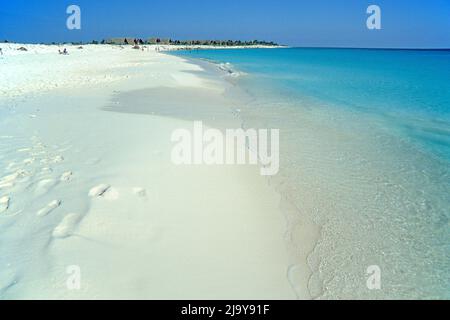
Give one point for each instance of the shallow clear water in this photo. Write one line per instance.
(365, 154)
(402, 85)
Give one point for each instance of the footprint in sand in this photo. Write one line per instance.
(44, 186)
(111, 194)
(58, 159)
(38, 153)
(46, 170)
(10, 180)
(8, 278)
(4, 204)
(29, 161)
(66, 176)
(67, 226)
(49, 208)
(99, 190)
(140, 192)
(6, 185)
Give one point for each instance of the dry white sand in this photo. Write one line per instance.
(84, 185)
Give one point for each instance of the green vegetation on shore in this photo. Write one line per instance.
(161, 41)
(222, 43)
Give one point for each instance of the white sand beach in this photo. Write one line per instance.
(86, 180)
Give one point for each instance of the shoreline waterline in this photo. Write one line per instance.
(302, 233)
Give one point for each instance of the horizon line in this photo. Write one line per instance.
(371, 48)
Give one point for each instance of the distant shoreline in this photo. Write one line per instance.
(24, 47)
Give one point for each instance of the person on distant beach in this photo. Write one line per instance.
(1, 51)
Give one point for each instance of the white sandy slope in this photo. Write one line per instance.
(41, 68)
(85, 187)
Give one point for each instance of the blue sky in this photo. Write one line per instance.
(405, 23)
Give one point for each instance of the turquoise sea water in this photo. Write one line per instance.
(412, 88)
(365, 155)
